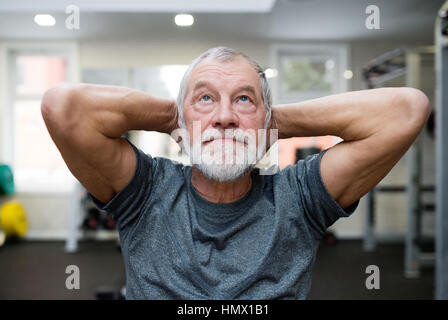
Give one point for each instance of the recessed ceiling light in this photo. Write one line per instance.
(184, 20)
(44, 20)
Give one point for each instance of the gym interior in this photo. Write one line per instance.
(50, 228)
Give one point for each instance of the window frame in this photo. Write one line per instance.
(340, 51)
(8, 53)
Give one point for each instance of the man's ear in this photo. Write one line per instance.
(176, 134)
(180, 136)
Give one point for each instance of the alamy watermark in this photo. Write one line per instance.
(373, 20)
(373, 280)
(72, 282)
(72, 22)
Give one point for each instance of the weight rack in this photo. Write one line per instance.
(389, 66)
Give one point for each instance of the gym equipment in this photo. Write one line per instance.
(108, 222)
(95, 220)
(430, 124)
(13, 219)
(92, 221)
(410, 63)
(329, 238)
(6, 180)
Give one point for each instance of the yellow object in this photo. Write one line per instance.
(13, 219)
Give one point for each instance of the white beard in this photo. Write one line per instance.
(226, 161)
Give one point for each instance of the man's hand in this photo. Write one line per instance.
(377, 126)
(87, 122)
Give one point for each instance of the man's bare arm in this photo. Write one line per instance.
(87, 122)
(377, 126)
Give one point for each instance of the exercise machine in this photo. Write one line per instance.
(410, 64)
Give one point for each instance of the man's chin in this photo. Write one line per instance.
(224, 172)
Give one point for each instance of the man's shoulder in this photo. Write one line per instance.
(169, 166)
(310, 164)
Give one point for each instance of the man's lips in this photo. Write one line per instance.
(223, 140)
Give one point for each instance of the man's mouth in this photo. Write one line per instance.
(223, 140)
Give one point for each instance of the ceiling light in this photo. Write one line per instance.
(44, 20)
(270, 73)
(184, 20)
(348, 74)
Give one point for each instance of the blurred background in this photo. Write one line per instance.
(309, 49)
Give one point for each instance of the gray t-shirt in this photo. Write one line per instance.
(178, 245)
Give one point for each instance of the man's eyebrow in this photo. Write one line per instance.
(247, 88)
(201, 84)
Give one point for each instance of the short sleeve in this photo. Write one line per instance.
(321, 210)
(128, 204)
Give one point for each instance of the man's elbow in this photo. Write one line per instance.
(57, 106)
(56, 100)
(417, 107)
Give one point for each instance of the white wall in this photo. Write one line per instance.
(157, 52)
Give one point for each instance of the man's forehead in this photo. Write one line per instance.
(239, 70)
(204, 83)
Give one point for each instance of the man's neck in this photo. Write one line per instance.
(220, 192)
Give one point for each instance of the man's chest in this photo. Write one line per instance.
(174, 248)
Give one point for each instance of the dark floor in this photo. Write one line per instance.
(339, 273)
(36, 270)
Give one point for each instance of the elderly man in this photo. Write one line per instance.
(220, 229)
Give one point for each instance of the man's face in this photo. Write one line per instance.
(225, 100)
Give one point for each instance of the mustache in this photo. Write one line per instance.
(237, 135)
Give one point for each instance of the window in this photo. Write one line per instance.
(307, 71)
(37, 163)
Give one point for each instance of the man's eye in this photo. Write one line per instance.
(244, 99)
(206, 98)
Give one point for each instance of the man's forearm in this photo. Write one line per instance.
(86, 122)
(110, 110)
(350, 116)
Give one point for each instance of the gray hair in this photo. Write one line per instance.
(225, 54)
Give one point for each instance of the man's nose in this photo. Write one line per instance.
(225, 117)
